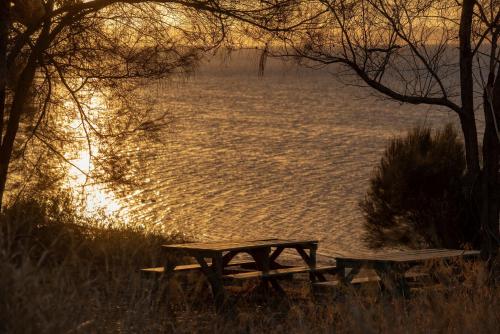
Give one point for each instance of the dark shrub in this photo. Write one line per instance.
(415, 197)
(48, 230)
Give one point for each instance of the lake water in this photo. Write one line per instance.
(285, 155)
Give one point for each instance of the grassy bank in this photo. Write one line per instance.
(63, 274)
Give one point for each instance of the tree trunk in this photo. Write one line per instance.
(4, 37)
(19, 100)
(467, 118)
(490, 180)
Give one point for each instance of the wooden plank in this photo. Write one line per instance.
(434, 255)
(435, 252)
(243, 245)
(393, 254)
(278, 272)
(187, 267)
(415, 251)
(390, 253)
(425, 250)
(409, 257)
(364, 279)
(155, 270)
(355, 281)
(219, 245)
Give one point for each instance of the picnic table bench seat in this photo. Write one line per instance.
(278, 272)
(365, 279)
(193, 267)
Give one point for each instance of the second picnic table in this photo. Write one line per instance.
(265, 254)
(392, 267)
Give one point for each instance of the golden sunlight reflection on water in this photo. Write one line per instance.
(95, 199)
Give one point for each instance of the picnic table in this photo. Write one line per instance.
(220, 264)
(392, 267)
(220, 267)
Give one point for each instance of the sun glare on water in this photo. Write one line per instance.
(96, 199)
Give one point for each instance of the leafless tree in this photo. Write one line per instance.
(442, 53)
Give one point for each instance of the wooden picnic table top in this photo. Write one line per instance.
(407, 256)
(242, 245)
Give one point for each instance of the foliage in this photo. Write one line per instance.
(416, 195)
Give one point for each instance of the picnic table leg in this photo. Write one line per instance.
(400, 279)
(277, 252)
(261, 258)
(312, 264)
(312, 255)
(217, 265)
(347, 274)
(168, 272)
(310, 260)
(263, 261)
(168, 268)
(214, 275)
(393, 279)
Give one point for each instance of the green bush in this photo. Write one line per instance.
(416, 196)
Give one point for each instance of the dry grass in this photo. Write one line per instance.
(58, 276)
